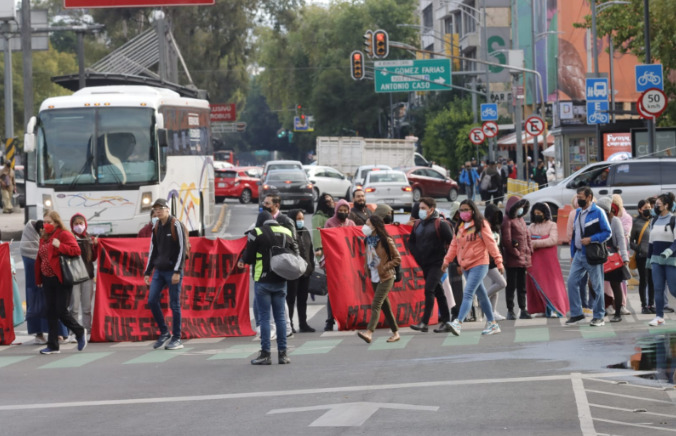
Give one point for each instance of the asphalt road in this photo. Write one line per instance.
(536, 377)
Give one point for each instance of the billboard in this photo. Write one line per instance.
(616, 146)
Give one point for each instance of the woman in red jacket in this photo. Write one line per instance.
(56, 240)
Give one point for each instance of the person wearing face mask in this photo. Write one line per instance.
(271, 204)
(662, 254)
(382, 257)
(473, 246)
(339, 219)
(57, 241)
(517, 249)
(639, 239)
(359, 213)
(147, 230)
(428, 241)
(545, 288)
(325, 210)
(469, 178)
(83, 293)
(591, 225)
(297, 290)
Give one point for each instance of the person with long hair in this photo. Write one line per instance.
(473, 245)
(494, 216)
(325, 210)
(662, 254)
(545, 288)
(297, 290)
(638, 241)
(518, 251)
(57, 241)
(382, 258)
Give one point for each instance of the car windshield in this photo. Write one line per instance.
(283, 166)
(226, 174)
(387, 178)
(291, 176)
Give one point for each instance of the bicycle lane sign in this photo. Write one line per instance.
(649, 76)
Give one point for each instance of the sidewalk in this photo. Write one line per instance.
(11, 225)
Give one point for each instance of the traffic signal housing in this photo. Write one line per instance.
(381, 44)
(368, 43)
(357, 65)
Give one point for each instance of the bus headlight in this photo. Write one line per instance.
(146, 201)
(47, 202)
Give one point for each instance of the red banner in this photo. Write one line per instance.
(132, 3)
(214, 293)
(6, 297)
(349, 280)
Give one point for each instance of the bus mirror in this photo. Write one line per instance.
(159, 121)
(162, 137)
(29, 137)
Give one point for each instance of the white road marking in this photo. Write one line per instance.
(622, 409)
(583, 410)
(629, 396)
(651, 427)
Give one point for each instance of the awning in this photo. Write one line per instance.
(549, 151)
(508, 142)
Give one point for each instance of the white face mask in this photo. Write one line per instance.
(366, 230)
(154, 220)
(79, 228)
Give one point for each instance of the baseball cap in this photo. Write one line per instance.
(160, 202)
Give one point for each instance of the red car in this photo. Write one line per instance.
(428, 182)
(237, 182)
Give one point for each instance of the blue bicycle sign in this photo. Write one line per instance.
(489, 112)
(649, 76)
(597, 112)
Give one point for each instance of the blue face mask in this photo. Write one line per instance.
(422, 213)
(154, 220)
(652, 212)
(519, 211)
(673, 207)
(300, 224)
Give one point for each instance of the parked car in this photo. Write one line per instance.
(633, 179)
(292, 186)
(428, 182)
(237, 182)
(327, 180)
(362, 172)
(390, 187)
(281, 165)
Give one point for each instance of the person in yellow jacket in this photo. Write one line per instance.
(472, 246)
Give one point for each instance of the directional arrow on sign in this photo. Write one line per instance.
(350, 414)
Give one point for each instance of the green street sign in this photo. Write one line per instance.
(412, 75)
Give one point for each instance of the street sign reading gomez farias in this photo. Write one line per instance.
(133, 3)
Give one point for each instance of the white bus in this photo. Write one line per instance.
(109, 152)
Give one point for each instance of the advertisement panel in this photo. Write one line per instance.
(616, 146)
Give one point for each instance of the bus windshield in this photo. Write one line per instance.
(96, 146)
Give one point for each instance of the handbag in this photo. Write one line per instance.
(73, 270)
(614, 262)
(285, 263)
(597, 253)
(318, 284)
(398, 276)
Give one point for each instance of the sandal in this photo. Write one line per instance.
(364, 337)
(393, 338)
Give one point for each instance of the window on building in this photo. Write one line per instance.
(428, 17)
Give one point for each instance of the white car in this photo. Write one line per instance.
(362, 172)
(390, 187)
(327, 180)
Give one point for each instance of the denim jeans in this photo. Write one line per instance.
(469, 190)
(159, 281)
(578, 268)
(271, 294)
(663, 275)
(474, 284)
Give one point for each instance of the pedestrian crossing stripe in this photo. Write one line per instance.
(236, 352)
(76, 360)
(537, 334)
(156, 356)
(471, 337)
(317, 347)
(381, 343)
(10, 360)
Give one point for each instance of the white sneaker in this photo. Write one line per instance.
(498, 317)
(72, 339)
(610, 310)
(39, 340)
(657, 322)
(624, 311)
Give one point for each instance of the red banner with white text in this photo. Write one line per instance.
(214, 292)
(349, 279)
(6, 297)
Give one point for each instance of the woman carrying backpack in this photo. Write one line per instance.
(662, 254)
(382, 258)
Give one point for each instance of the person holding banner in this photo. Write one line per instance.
(382, 257)
(297, 290)
(473, 246)
(56, 241)
(167, 258)
(359, 213)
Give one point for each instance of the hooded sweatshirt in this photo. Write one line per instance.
(515, 237)
(86, 243)
(428, 240)
(334, 221)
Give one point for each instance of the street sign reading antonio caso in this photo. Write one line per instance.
(412, 75)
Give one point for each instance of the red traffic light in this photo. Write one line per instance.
(357, 57)
(357, 65)
(380, 37)
(381, 42)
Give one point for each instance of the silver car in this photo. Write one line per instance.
(327, 180)
(389, 187)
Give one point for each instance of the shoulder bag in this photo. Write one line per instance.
(73, 270)
(597, 253)
(632, 260)
(285, 263)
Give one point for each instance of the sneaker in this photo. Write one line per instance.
(668, 309)
(290, 334)
(49, 351)
(175, 344)
(624, 311)
(597, 322)
(82, 341)
(656, 322)
(525, 315)
(455, 327)
(492, 328)
(645, 310)
(610, 310)
(39, 340)
(71, 339)
(498, 317)
(510, 315)
(574, 319)
(587, 311)
(164, 337)
(444, 327)
(616, 318)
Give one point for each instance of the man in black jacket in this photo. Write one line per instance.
(427, 243)
(167, 258)
(359, 213)
(269, 287)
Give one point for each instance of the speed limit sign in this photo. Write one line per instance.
(477, 136)
(653, 101)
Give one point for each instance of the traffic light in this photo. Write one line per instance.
(281, 133)
(357, 65)
(303, 120)
(299, 109)
(381, 44)
(368, 43)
